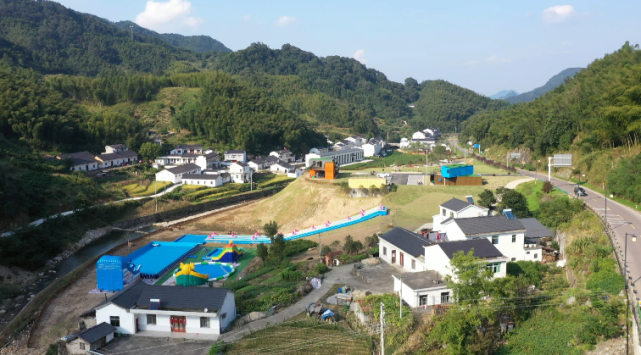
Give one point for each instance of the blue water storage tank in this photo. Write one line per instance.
(110, 273)
(455, 170)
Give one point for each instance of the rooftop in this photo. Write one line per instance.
(455, 204)
(183, 168)
(483, 248)
(97, 332)
(78, 158)
(534, 228)
(184, 298)
(488, 225)
(423, 279)
(234, 152)
(407, 241)
(117, 155)
(340, 152)
(189, 146)
(200, 176)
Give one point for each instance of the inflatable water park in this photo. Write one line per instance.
(155, 259)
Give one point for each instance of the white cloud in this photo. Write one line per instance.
(247, 18)
(285, 20)
(557, 14)
(497, 59)
(173, 13)
(360, 56)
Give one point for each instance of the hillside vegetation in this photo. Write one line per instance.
(550, 85)
(599, 108)
(201, 44)
(444, 105)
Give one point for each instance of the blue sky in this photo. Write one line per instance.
(486, 46)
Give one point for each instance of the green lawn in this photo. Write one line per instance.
(533, 192)
(248, 255)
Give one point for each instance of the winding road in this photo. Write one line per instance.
(622, 220)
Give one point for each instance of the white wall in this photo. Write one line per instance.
(418, 135)
(165, 175)
(412, 297)
(369, 150)
(229, 308)
(209, 183)
(127, 321)
(435, 259)
(383, 245)
(407, 258)
(532, 254)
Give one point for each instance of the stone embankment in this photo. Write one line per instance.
(89, 237)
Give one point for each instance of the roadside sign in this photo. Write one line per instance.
(476, 145)
(562, 160)
(514, 155)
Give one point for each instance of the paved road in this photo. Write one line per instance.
(622, 219)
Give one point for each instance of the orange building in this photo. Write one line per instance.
(323, 168)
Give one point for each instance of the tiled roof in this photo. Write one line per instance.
(488, 225)
(97, 332)
(184, 298)
(407, 241)
(455, 204)
(183, 168)
(534, 228)
(128, 296)
(200, 177)
(344, 151)
(285, 164)
(79, 158)
(189, 146)
(117, 155)
(483, 248)
(234, 151)
(271, 158)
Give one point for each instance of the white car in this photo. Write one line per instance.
(382, 175)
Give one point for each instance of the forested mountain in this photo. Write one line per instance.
(600, 107)
(444, 105)
(554, 82)
(504, 94)
(201, 44)
(50, 38)
(366, 90)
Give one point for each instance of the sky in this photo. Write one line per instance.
(485, 46)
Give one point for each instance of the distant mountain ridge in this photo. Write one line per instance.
(552, 84)
(200, 44)
(504, 94)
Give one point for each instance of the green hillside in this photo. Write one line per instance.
(550, 85)
(201, 44)
(444, 105)
(599, 108)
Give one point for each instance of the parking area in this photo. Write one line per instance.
(408, 179)
(157, 346)
(399, 179)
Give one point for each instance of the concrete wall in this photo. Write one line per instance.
(229, 309)
(127, 320)
(385, 246)
(209, 183)
(435, 259)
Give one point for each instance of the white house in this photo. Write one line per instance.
(284, 155)
(240, 172)
(424, 141)
(432, 132)
(209, 180)
(422, 289)
(282, 167)
(419, 135)
(296, 173)
(187, 149)
(441, 254)
(373, 147)
(82, 161)
(92, 339)
(236, 155)
(404, 143)
(341, 157)
(507, 235)
(171, 309)
(115, 148)
(406, 249)
(118, 158)
(207, 160)
(456, 208)
(318, 150)
(177, 159)
(174, 175)
(358, 139)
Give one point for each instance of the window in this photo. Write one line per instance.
(536, 256)
(422, 300)
(445, 297)
(513, 259)
(384, 250)
(527, 252)
(82, 346)
(204, 322)
(495, 267)
(452, 214)
(513, 238)
(444, 208)
(151, 319)
(115, 321)
(414, 264)
(495, 239)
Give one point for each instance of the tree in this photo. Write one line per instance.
(149, 151)
(262, 252)
(487, 199)
(277, 248)
(326, 250)
(547, 187)
(371, 240)
(350, 246)
(515, 201)
(437, 153)
(271, 229)
(469, 278)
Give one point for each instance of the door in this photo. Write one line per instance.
(401, 259)
(393, 256)
(178, 324)
(137, 326)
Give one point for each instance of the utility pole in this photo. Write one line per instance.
(131, 29)
(382, 329)
(426, 172)
(550, 169)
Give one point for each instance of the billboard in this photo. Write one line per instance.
(514, 155)
(562, 160)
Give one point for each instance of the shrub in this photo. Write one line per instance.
(297, 246)
(394, 187)
(321, 268)
(547, 187)
(326, 250)
(606, 280)
(291, 275)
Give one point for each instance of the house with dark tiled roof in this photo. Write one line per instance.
(82, 161)
(403, 248)
(440, 255)
(175, 174)
(455, 208)
(92, 339)
(236, 155)
(284, 155)
(141, 308)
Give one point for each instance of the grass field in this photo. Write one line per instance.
(303, 337)
(533, 192)
(137, 190)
